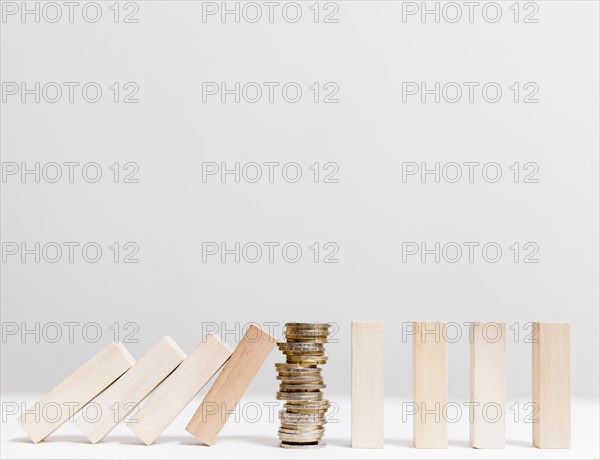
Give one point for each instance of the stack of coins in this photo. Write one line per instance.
(303, 416)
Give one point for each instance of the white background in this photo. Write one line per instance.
(368, 214)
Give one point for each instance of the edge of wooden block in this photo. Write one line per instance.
(124, 351)
(216, 339)
(118, 346)
(176, 347)
(214, 336)
(191, 426)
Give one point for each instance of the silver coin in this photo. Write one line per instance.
(284, 414)
(296, 368)
(316, 445)
(295, 431)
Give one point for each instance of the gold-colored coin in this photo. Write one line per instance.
(301, 386)
(299, 396)
(308, 325)
(306, 361)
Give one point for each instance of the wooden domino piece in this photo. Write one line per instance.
(488, 385)
(430, 385)
(78, 389)
(551, 385)
(231, 384)
(105, 412)
(367, 384)
(179, 388)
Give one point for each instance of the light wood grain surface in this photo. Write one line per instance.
(169, 399)
(78, 389)
(551, 385)
(430, 385)
(231, 384)
(105, 412)
(488, 385)
(367, 384)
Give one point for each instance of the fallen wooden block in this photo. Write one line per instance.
(231, 384)
(105, 412)
(367, 384)
(488, 385)
(551, 385)
(79, 388)
(430, 386)
(179, 388)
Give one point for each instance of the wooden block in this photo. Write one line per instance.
(79, 388)
(105, 412)
(488, 385)
(367, 384)
(179, 388)
(551, 385)
(231, 384)
(430, 386)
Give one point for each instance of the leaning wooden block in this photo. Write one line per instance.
(551, 385)
(78, 389)
(367, 384)
(488, 385)
(179, 388)
(105, 412)
(231, 384)
(430, 386)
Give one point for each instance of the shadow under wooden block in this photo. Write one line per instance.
(231, 384)
(367, 384)
(488, 385)
(78, 389)
(430, 385)
(105, 412)
(179, 388)
(551, 366)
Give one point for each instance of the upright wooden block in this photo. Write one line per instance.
(367, 384)
(430, 385)
(179, 388)
(231, 384)
(551, 385)
(488, 385)
(79, 388)
(105, 412)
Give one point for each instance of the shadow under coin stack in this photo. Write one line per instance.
(301, 382)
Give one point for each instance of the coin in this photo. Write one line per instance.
(306, 372)
(290, 367)
(308, 325)
(284, 414)
(303, 339)
(303, 418)
(301, 387)
(306, 409)
(300, 346)
(285, 381)
(308, 432)
(299, 396)
(316, 380)
(307, 361)
(307, 427)
(293, 445)
(302, 424)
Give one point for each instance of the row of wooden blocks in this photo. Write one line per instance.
(112, 384)
(106, 389)
(551, 392)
